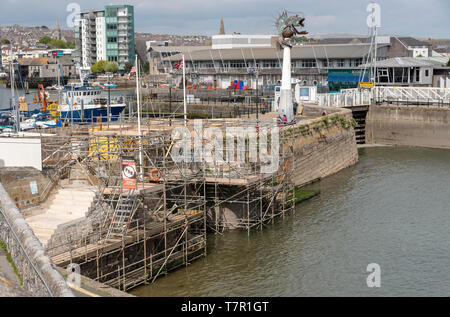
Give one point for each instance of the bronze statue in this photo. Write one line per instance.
(287, 27)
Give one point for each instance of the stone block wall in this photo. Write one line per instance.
(409, 125)
(16, 181)
(324, 146)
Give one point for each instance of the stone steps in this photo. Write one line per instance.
(69, 203)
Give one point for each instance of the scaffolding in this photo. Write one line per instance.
(161, 223)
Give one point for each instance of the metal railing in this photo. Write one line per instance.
(400, 95)
(27, 257)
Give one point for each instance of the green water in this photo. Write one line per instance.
(392, 208)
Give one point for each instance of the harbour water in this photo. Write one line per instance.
(392, 208)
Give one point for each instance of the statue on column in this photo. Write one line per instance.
(287, 28)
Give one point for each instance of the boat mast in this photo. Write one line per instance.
(184, 93)
(141, 176)
(13, 93)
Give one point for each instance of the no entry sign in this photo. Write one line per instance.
(128, 173)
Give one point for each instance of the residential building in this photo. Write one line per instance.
(106, 35)
(49, 67)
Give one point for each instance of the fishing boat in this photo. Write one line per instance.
(84, 103)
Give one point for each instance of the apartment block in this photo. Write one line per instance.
(105, 35)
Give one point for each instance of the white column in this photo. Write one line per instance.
(286, 107)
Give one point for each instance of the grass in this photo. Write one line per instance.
(10, 260)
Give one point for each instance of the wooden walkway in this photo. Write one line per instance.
(92, 250)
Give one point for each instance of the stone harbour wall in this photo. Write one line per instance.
(324, 145)
(409, 125)
(39, 275)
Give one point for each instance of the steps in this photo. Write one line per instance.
(69, 203)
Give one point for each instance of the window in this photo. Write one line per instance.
(308, 63)
(427, 73)
(340, 63)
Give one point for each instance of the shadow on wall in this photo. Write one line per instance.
(2, 163)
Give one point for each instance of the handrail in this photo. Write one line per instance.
(362, 97)
(26, 254)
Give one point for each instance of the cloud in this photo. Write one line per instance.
(400, 17)
(320, 20)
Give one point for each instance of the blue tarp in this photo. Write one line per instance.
(353, 79)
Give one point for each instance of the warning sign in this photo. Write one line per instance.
(128, 173)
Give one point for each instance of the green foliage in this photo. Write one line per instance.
(99, 67)
(300, 195)
(5, 42)
(128, 67)
(111, 67)
(45, 40)
(299, 39)
(52, 43)
(325, 122)
(448, 63)
(10, 260)
(146, 67)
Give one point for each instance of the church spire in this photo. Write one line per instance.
(57, 31)
(222, 27)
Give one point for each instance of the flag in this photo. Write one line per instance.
(178, 65)
(132, 71)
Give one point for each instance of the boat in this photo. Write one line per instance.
(84, 103)
(6, 122)
(55, 87)
(112, 86)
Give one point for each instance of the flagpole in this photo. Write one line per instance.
(141, 176)
(184, 93)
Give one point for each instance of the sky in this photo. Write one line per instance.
(419, 18)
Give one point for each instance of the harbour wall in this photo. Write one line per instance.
(324, 145)
(35, 268)
(409, 125)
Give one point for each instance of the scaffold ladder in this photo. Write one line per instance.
(127, 205)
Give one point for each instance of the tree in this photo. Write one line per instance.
(5, 41)
(45, 40)
(52, 43)
(111, 67)
(128, 67)
(146, 67)
(99, 67)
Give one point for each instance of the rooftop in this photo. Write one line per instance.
(298, 52)
(403, 62)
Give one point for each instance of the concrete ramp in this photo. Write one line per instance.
(69, 203)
